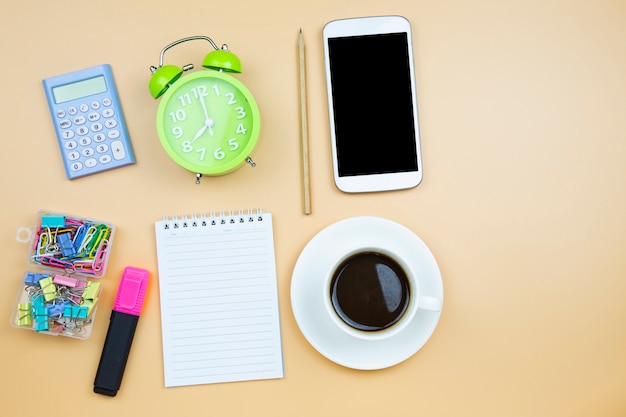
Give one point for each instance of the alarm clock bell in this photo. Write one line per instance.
(219, 60)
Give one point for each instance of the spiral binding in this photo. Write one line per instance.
(213, 219)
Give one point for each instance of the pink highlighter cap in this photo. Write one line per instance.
(132, 291)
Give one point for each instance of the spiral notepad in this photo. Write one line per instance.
(219, 299)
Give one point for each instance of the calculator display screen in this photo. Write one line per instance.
(79, 89)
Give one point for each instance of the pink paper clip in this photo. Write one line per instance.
(57, 263)
(82, 266)
(101, 255)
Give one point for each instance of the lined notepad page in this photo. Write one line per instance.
(219, 300)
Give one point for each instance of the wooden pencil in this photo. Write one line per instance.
(304, 136)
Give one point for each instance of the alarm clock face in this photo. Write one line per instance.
(208, 122)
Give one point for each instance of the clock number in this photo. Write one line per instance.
(231, 98)
(201, 151)
(219, 154)
(178, 132)
(241, 113)
(187, 147)
(241, 130)
(184, 99)
(216, 89)
(178, 116)
(232, 143)
(200, 91)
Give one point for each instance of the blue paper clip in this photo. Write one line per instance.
(79, 237)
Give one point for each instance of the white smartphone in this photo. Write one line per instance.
(372, 103)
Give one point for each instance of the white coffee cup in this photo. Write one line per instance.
(373, 294)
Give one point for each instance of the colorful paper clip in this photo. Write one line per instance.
(72, 245)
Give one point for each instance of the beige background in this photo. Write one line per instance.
(522, 107)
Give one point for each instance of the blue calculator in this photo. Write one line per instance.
(89, 122)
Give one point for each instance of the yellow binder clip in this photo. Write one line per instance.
(91, 291)
(49, 290)
(24, 315)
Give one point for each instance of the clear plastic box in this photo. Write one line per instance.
(71, 244)
(55, 304)
(73, 253)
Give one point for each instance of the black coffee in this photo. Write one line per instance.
(370, 291)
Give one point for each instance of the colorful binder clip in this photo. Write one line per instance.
(91, 291)
(48, 288)
(57, 304)
(52, 221)
(75, 312)
(32, 279)
(24, 317)
(40, 314)
(66, 245)
(56, 310)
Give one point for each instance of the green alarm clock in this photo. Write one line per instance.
(207, 121)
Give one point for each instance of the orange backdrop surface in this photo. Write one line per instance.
(522, 107)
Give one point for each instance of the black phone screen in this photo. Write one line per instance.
(373, 106)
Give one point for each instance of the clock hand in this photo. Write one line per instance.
(208, 122)
(199, 133)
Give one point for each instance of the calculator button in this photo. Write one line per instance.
(83, 107)
(67, 134)
(102, 148)
(82, 130)
(80, 120)
(72, 111)
(72, 156)
(84, 141)
(65, 123)
(99, 137)
(88, 152)
(96, 127)
(108, 112)
(70, 144)
(76, 166)
(105, 159)
(95, 105)
(113, 134)
(93, 116)
(118, 150)
(107, 101)
(110, 123)
(60, 113)
(90, 163)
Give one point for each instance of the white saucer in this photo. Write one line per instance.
(307, 292)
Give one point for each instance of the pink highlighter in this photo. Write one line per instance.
(124, 318)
